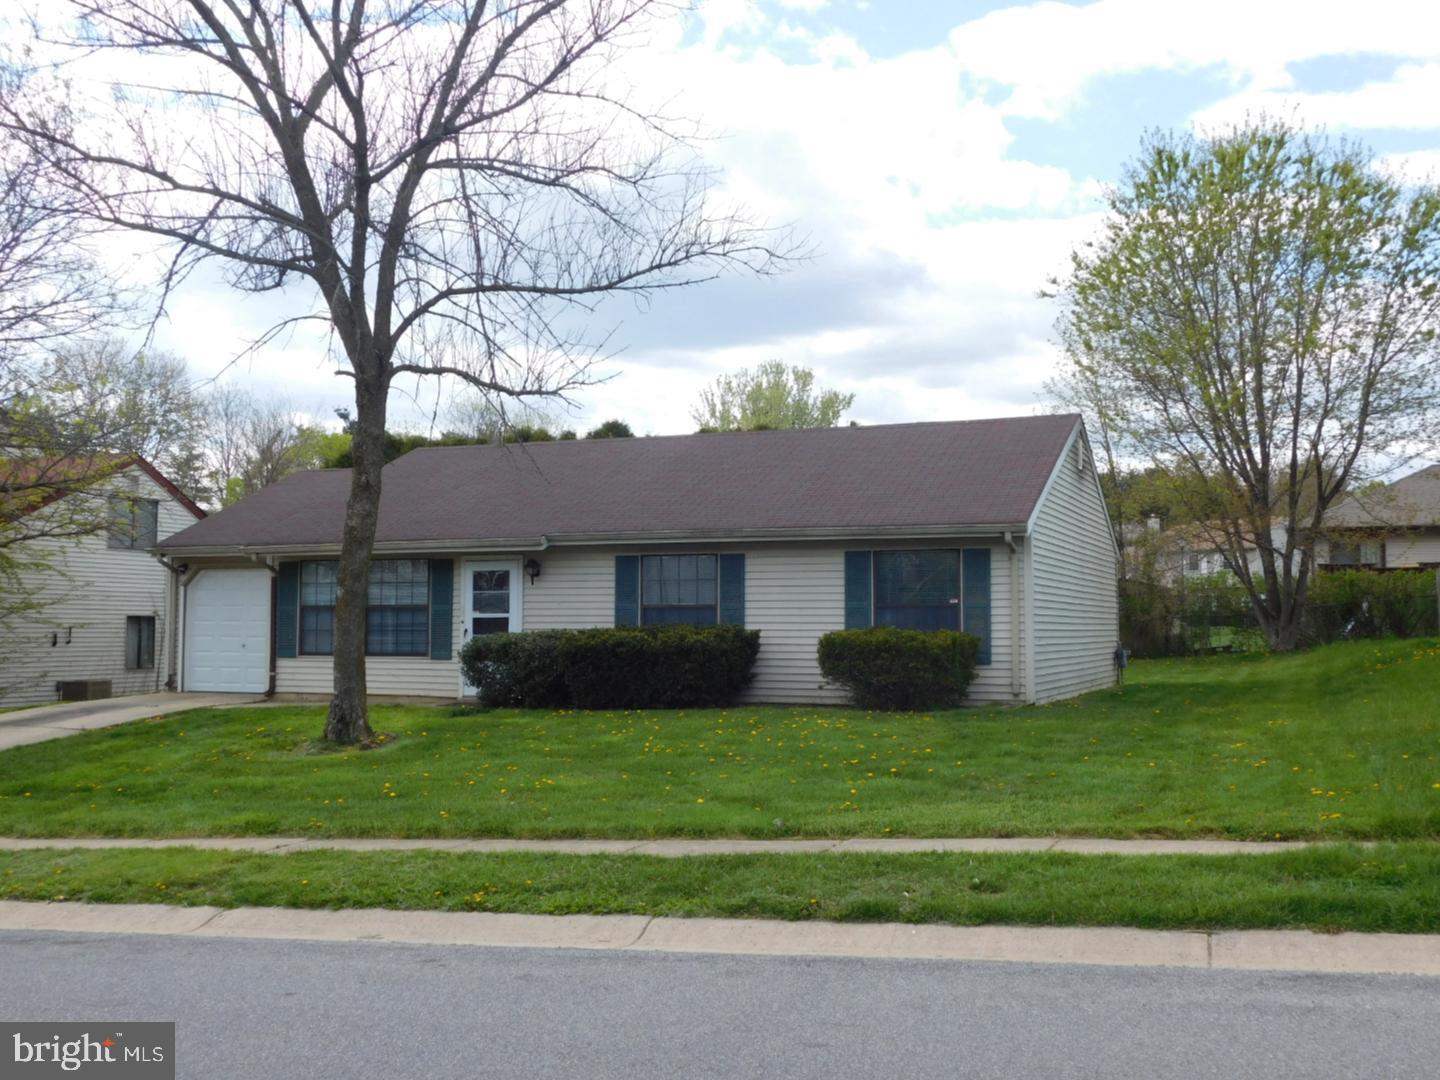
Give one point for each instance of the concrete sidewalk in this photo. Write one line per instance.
(675, 849)
(45, 722)
(1277, 950)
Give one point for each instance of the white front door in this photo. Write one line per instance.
(227, 631)
(491, 595)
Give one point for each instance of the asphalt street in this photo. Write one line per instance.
(315, 1010)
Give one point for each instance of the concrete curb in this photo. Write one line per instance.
(675, 849)
(1251, 950)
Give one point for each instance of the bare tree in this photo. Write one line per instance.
(250, 443)
(50, 286)
(54, 461)
(452, 179)
(484, 416)
(227, 411)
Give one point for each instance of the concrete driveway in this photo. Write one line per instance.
(56, 721)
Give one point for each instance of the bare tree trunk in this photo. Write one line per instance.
(348, 720)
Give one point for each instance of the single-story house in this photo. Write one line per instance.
(996, 527)
(96, 612)
(1389, 527)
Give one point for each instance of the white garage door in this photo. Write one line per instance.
(227, 631)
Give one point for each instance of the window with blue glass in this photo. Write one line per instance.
(678, 589)
(917, 590)
(397, 612)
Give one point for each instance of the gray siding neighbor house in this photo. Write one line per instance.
(104, 606)
(996, 527)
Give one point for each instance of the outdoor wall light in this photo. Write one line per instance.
(532, 569)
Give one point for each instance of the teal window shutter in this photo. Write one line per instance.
(976, 598)
(732, 590)
(442, 609)
(627, 590)
(859, 579)
(287, 608)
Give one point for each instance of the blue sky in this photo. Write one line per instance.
(944, 157)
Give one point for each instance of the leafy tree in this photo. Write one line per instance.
(1261, 310)
(611, 429)
(443, 178)
(338, 453)
(147, 399)
(769, 396)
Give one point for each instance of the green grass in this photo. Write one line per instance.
(1388, 887)
(1342, 742)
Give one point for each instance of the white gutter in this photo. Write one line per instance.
(546, 541)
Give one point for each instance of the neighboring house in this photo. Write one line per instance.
(1170, 556)
(994, 526)
(1396, 526)
(104, 600)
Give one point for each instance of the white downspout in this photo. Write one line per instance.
(1016, 688)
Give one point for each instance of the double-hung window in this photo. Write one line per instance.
(134, 523)
(397, 610)
(678, 589)
(917, 590)
(1360, 553)
(397, 616)
(317, 608)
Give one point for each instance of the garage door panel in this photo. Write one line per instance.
(227, 631)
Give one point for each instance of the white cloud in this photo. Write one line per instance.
(1417, 166)
(1410, 99)
(1046, 53)
(934, 236)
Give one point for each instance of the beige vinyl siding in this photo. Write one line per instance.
(1413, 548)
(402, 675)
(92, 588)
(1074, 602)
(794, 593)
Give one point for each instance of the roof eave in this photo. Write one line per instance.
(675, 536)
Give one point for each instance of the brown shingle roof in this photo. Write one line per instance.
(27, 484)
(965, 473)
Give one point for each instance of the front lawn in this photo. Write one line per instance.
(1340, 742)
(1387, 887)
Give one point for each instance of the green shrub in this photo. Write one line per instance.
(658, 667)
(517, 670)
(654, 667)
(1369, 604)
(886, 668)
